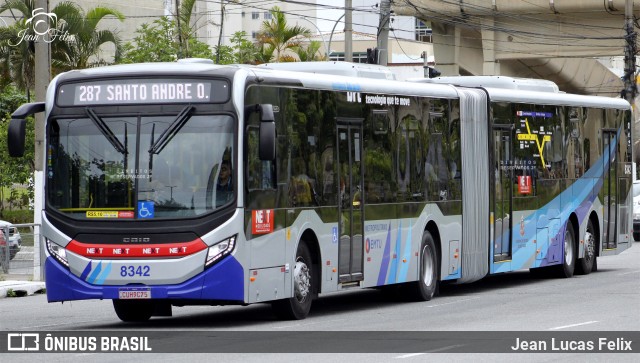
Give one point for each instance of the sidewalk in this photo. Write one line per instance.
(20, 288)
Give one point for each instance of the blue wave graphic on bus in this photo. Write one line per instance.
(96, 276)
(394, 261)
(580, 196)
(385, 258)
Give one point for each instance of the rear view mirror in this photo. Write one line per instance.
(16, 137)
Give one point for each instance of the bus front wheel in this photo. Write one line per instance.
(298, 306)
(133, 310)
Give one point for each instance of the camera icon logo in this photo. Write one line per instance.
(42, 22)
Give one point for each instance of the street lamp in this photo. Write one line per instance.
(322, 36)
(331, 36)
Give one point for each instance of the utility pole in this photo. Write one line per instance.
(629, 54)
(42, 65)
(383, 32)
(221, 29)
(348, 31)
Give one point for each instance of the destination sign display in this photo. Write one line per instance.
(142, 91)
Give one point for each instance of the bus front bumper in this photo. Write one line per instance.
(222, 282)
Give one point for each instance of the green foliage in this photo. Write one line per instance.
(156, 42)
(245, 52)
(75, 40)
(11, 293)
(82, 48)
(17, 216)
(225, 55)
(277, 36)
(15, 170)
(309, 53)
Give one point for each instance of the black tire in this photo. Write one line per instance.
(586, 264)
(304, 288)
(133, 310)
(569, 256)
(427, 285)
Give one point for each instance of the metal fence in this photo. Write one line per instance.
(20, 262)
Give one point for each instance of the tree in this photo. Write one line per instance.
(157, 43)
(16, 58)
(245, 51)
(309, 53)
(277, 36)
(82, 48)
(14, 170)
(75, 39)
(186, 29)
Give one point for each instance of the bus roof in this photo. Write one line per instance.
(335, 68)
(501, 89)
(525, 84)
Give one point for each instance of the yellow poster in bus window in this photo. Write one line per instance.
(102, 214)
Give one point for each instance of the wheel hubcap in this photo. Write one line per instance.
(427, 266)
(302, 280)
(568, 248)
(589, 246)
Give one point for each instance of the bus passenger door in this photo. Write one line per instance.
(608, 192)
(350, 207)
(503, 185)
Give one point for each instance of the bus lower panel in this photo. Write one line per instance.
(222, 282)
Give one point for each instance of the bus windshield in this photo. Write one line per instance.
(138, 167)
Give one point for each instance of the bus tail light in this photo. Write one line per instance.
(58, 252)
(219, 250)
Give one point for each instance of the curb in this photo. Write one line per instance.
(20, 288)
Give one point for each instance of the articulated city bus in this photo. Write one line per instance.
(197, 184)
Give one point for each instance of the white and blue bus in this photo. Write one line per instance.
(197, 184)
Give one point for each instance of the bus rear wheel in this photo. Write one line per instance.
(426, 287)
(569, 261)
(585, 265)
(133, 310)
(304, 287)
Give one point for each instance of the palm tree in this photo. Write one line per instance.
(81, 49)
(278, 36)
(16, 58)
(310, 53)
(77, 44)
(187, 27)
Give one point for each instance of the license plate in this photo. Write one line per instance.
(130, 294)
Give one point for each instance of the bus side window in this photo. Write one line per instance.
(259, 173)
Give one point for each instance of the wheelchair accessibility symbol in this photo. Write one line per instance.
(145, 209)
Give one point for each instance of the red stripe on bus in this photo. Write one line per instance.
(179, 249)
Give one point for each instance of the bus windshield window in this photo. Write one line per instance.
(96, 174)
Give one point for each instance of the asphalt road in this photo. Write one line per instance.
(604, 301)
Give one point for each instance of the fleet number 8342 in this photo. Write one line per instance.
(131, 271)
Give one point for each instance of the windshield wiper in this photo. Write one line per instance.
(106, 131)
(172, 130)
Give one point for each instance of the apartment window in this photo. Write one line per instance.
(254, 35)
(243, 14)
(255, 15)
(423, 32)
(267, 15)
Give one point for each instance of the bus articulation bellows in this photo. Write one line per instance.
(181, 184)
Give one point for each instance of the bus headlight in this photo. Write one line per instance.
(58, 252)
(219, 250)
